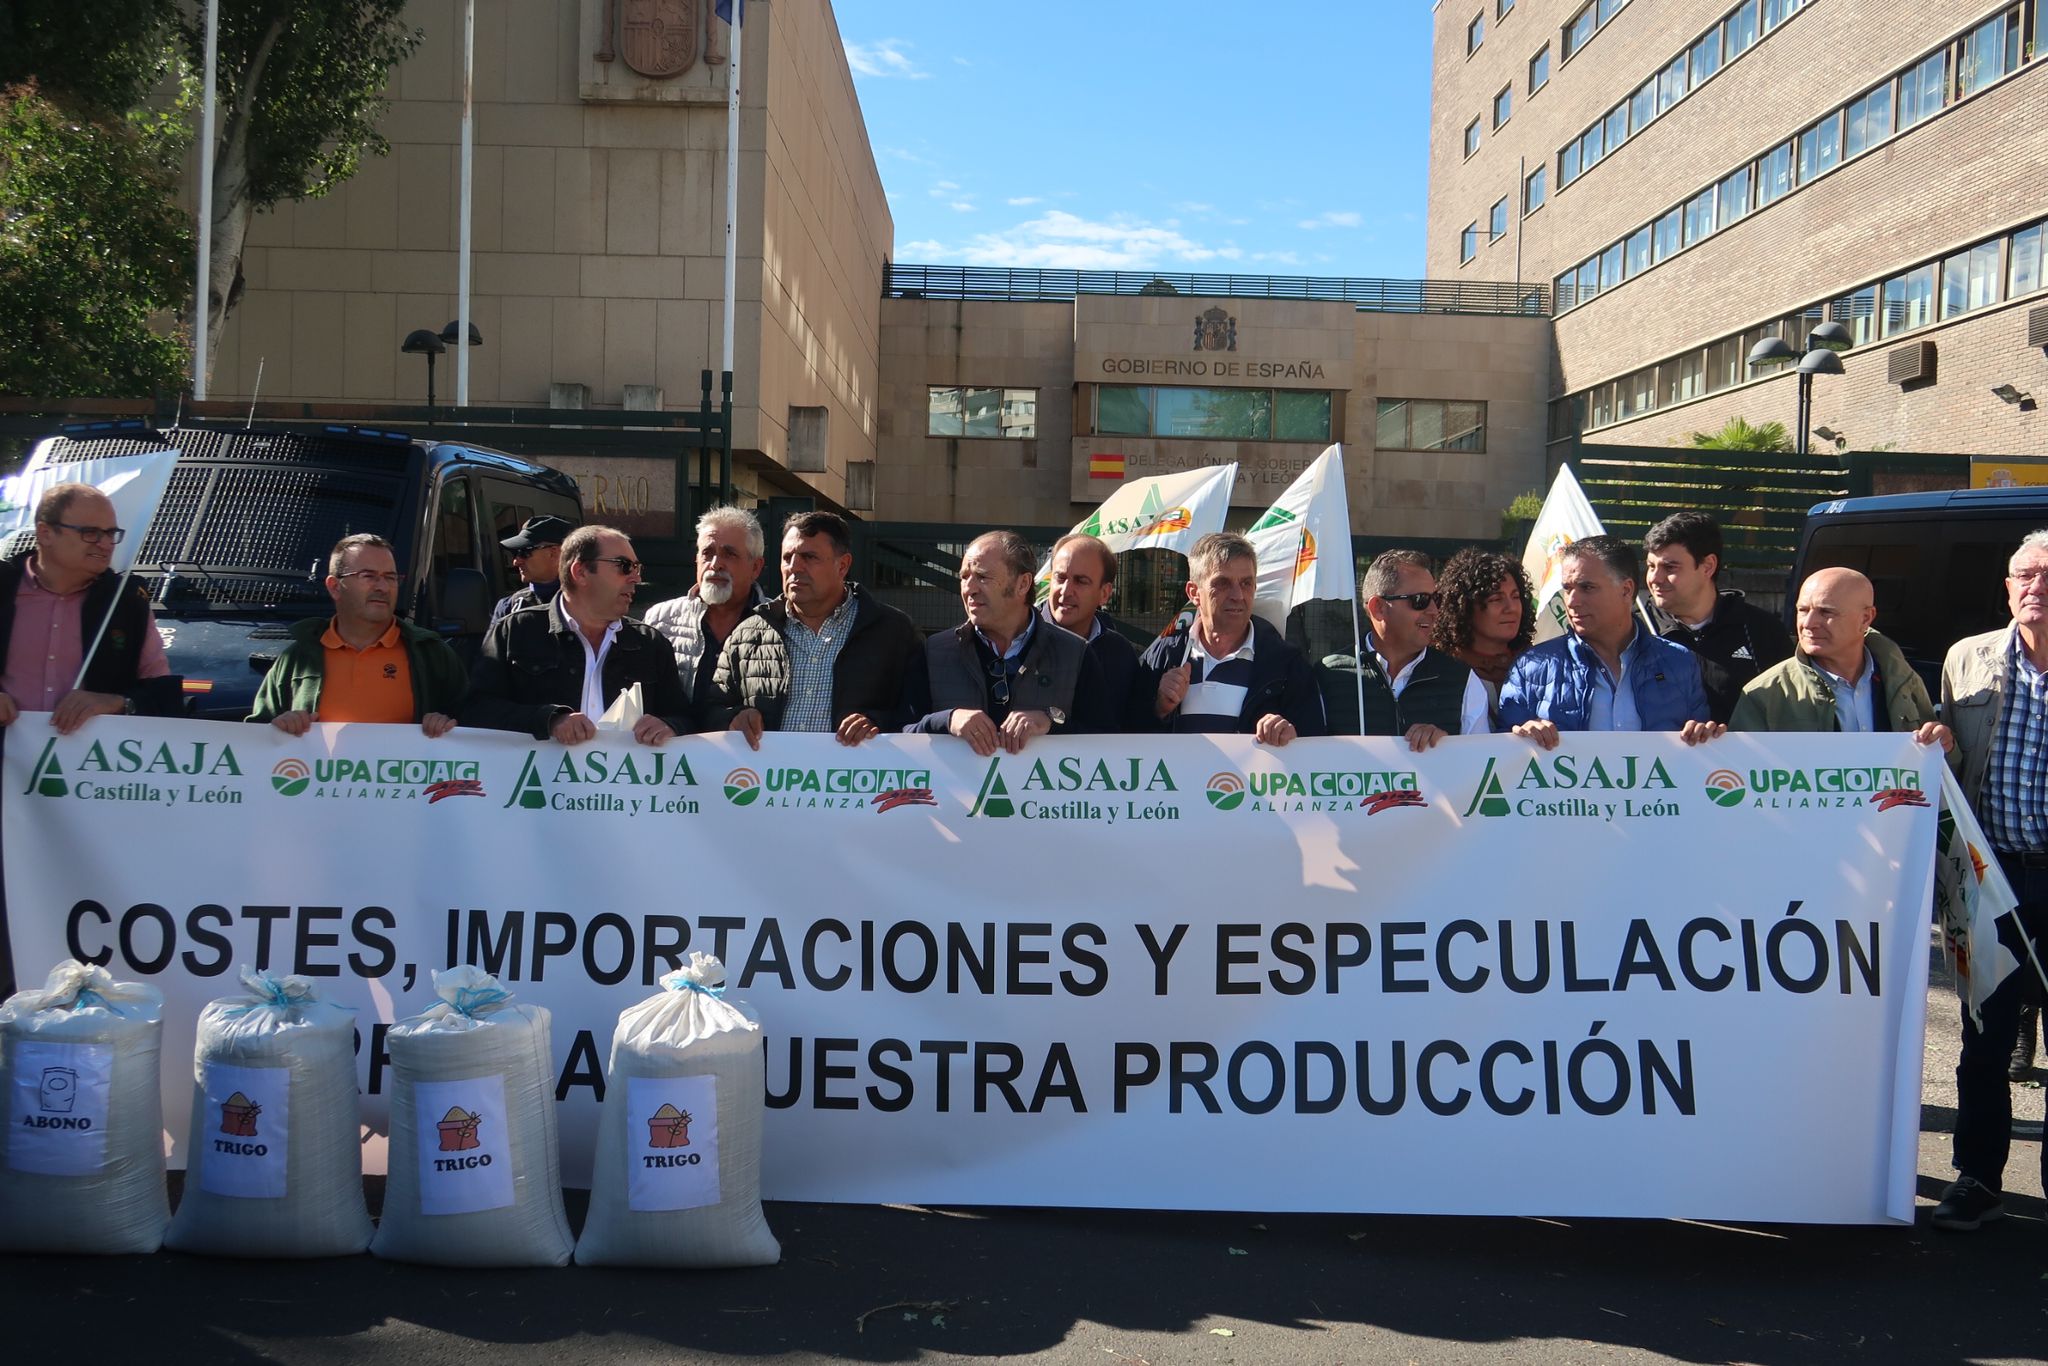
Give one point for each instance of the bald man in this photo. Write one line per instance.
(1842, 676)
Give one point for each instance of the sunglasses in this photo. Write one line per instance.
(1419, 601)
(620, 563)
(999, 684)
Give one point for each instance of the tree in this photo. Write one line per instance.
(1737, 435)
(93, 248)
(300, 89)
(100, 58)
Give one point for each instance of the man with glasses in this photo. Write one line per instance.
(1410, 689)
(1607, 672)
(363, 663)
(536, 550)
(553, 671)
(1005, 675)
(1994, 693)
(55, 598)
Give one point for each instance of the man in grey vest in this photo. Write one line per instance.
(1006, 674)
(1409, 689)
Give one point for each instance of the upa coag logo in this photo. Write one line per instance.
(1836, 789)
(164, 774)
(332, 778)
(1725, 788)
(291, 776)
(1078, 789)
(1334, 790)
(743, 787)
(830, 789)
(1573, 787)
(1225, 791)
(634, 783)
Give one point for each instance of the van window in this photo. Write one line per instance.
(507, 506)
(454, 535)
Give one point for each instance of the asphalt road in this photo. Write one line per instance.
(1052, 1286)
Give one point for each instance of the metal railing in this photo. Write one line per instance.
(1002, 284)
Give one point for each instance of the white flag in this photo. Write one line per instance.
(1970, 896)
(134, 483)
(1164, 512)
(1566, 517)
(1304, 541)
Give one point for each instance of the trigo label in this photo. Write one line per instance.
(57, 1108)
(245, 1120)
(671, 1142)
(465, 1145)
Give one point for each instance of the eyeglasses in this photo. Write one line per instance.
(1421, 602)
(371, 578)
(999, 684)
(93, 535)
(620, 563)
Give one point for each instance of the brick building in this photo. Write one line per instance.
(1689, 177)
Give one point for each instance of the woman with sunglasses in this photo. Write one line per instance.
(1485, 616)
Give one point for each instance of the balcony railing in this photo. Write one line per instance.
(1380, 296)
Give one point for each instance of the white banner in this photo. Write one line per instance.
(1161, 512)
(1304, 542)
(1621, 978)
(135, 484)
(1566, 517)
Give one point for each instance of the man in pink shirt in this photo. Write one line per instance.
(52, 601)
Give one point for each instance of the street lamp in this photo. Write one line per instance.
(422, 341)
(1822, 347)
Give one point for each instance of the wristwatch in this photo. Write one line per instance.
(128, 706)
(1059, 718)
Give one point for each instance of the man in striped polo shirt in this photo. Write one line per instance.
(1229, 672)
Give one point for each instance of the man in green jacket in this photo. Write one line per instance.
(363, 663)
(1842, 676)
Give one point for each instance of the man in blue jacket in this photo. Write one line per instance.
(1608, 672)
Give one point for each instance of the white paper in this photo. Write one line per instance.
(247, 1128)
(465, 1166)
(625, 711)
(671, 1164)
(57, 1113)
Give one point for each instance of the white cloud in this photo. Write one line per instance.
(928, 249)
(961, 206)
(883, 59)
(1022, 199)
(1066, 241)
(1332, 218)
(1193, 206)
(1277, 258)
(962, 61)
(941, 188)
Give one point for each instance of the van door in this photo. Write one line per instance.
(451, 544)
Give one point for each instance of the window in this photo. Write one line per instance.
(1121, 410)
(1908, 301)
(454, 534)
(1301, 415)
(506, 506)
(1578, 31)
(2024, 270)
(1468, 243)
(1857, 312)
(1636, 253)
(1638, 392)
(1671, 84)
(1739, 30)
(1773, 173)
(1734, 197)
(1726, 364)
(1991, 50)
(1777, 12)
(1642, 106)
(1589, 278)
(1503, 105)
(1796, 329)
(1869, 121)
(1497, 220)
(1593, 145)
(1684, 378)
(1200, 414)
(1533, 190)
(1427, 424)
(1600, 406)
(1617, 126)
(1564, 291)
(1666, 235)
(1610, 267)
(807, 428)
(1471, 137)
(1706, 56)
(1923, 90)
(1568, 163)
(1501, 8)
(1820, 147)
(1609, 8)
(1969, 279)
(1539, 70)
(1011, 413)
(1475, 34)
(1699, 216)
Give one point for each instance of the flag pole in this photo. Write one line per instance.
(468, 160)
(732, 174)
(204, 294)
(85, 661)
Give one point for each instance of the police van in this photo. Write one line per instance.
(237, 550)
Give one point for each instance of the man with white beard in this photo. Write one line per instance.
(731, 552)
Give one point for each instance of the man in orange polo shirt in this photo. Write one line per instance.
(363, 663)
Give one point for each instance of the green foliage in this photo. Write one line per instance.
(92, 56)
(93, 246)
(1516, 516)
(1737, 435)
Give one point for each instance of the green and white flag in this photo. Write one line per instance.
(133, 483)
(1304, 541)
(1971, 896)
(1566, 517)
(1164, 512)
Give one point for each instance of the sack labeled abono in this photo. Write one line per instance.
(678, 1171)
(83, 1163)
(475, 1170)
(273, 1166)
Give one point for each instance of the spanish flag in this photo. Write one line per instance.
(1105, 467)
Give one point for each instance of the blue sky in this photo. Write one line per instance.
(1284, 138)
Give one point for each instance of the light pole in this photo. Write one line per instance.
(423, 341)
(1822, 347)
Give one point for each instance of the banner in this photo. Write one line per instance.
(1304, 542)
(1624, 977)
(133, 483)
(1162, 512)
(1971, 895)
(1566, 517)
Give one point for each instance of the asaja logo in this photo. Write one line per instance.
(1724, 788)
(1077, 789)
(291, 776)
(634, 783)
(1225, 792)
(993, 800)
(742, 787)
(238, 1116)
(1490, 799)
(131, 770)
(47, 779)
(1572, 785)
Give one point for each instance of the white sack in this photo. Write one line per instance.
(475, 1171)
(678, 1171)
(83, 1166)
(274, 1164)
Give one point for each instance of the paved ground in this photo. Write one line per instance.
(895, 1284)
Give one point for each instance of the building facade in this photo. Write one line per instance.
(1690, 177)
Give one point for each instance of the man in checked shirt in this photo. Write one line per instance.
(1994, 695)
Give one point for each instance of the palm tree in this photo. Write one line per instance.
(1738, 435)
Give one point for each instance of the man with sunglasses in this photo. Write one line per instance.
(536, 550)
(54, 598)
(553, 671)
(1410, 689)
(1005, 675)
(363, 663)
